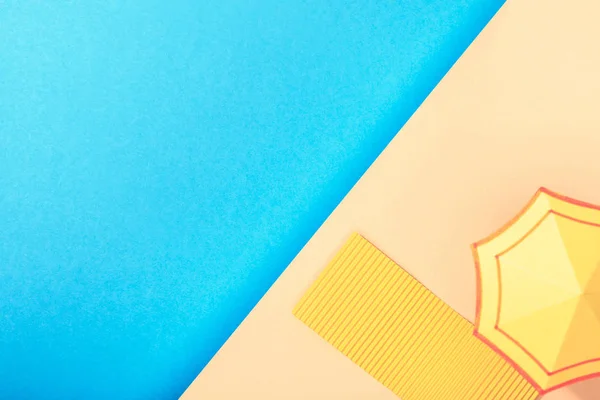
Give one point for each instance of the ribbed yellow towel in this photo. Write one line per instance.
(399, 332)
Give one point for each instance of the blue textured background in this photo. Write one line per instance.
(162, 162)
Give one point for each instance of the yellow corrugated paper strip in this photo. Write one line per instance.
(399, 332)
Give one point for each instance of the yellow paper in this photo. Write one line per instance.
(539, 290)
(399, 332)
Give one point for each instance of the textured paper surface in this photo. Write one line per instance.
(518, 111)
(393, 327)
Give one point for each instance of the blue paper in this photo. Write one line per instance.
(161, 163)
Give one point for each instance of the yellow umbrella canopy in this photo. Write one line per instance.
(538, 294)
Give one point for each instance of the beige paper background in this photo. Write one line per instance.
(520, 109)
